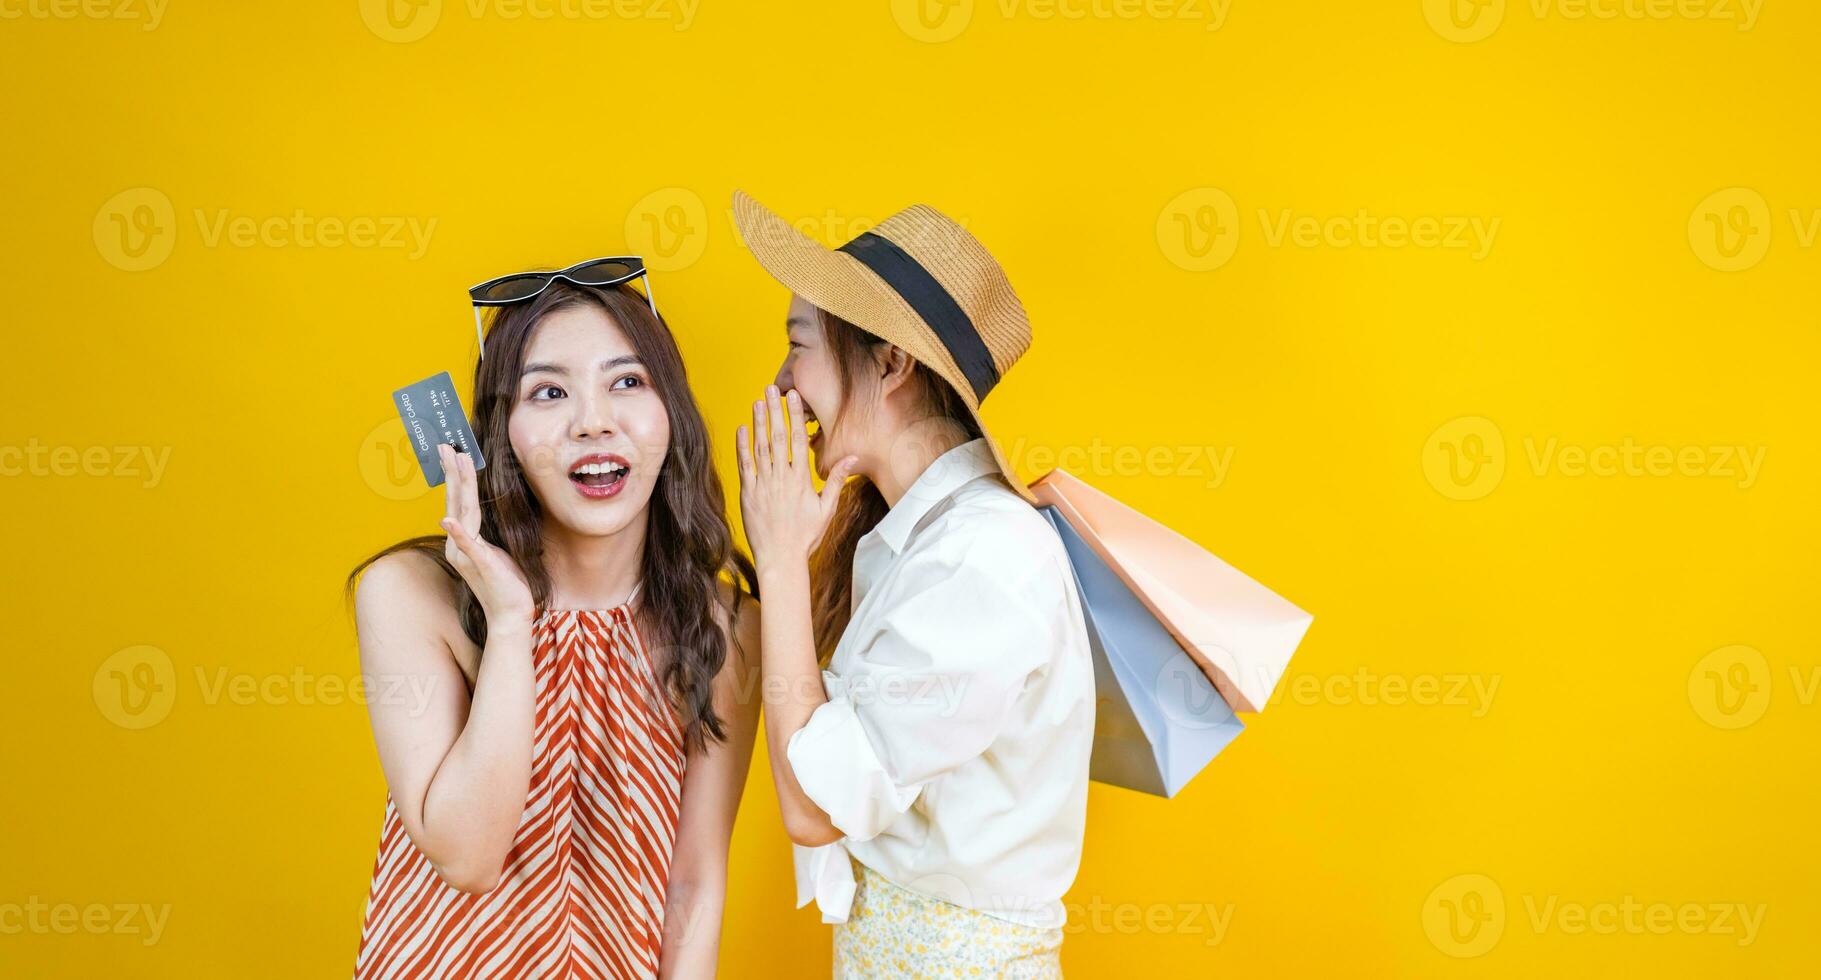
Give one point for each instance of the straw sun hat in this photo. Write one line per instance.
(917, 280)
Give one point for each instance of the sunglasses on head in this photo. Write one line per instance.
(521, 286)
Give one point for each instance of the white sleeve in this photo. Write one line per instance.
(930, 688)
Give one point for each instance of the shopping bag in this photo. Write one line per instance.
(1239, 633)
(1158, 720)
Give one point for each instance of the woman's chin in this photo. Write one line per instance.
(599, 517)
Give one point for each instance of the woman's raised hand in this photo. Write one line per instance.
(783, 513)
(494, 577)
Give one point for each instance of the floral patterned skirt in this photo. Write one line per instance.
(892, 931)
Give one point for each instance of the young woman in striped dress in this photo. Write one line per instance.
(562, 806)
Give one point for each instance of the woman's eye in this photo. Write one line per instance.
(546, 393)
(795, 346)
(629, 381)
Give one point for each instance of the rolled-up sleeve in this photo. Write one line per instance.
(928, 689)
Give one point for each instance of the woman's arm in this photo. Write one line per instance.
(784, 517)
(458, 768)
(711, 798)
(793, 692)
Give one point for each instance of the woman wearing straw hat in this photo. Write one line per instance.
(934, 776)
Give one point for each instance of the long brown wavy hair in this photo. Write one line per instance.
(858, 355)
(688, 545)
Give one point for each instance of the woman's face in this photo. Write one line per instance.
(587, 425)
(810, 368)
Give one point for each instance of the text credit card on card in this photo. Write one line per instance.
(433, 416)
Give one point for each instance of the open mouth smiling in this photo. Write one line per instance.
(599, 475)
(811, 426)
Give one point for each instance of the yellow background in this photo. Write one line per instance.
(1651, 736)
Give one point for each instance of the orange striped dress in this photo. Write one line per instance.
(582, 894)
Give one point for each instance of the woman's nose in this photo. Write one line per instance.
(782, 379)
(593, 416)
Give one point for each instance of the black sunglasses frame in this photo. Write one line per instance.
(634, 264)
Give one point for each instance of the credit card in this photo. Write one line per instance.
(433, 416)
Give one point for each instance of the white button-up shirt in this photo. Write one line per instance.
(953, 750)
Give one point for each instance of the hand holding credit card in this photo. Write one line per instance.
(433, 416)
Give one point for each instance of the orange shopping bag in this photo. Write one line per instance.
(1238, 632)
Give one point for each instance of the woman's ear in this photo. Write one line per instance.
(896, 368)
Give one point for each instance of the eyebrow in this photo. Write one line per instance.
(544, 367)
(796, 321)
